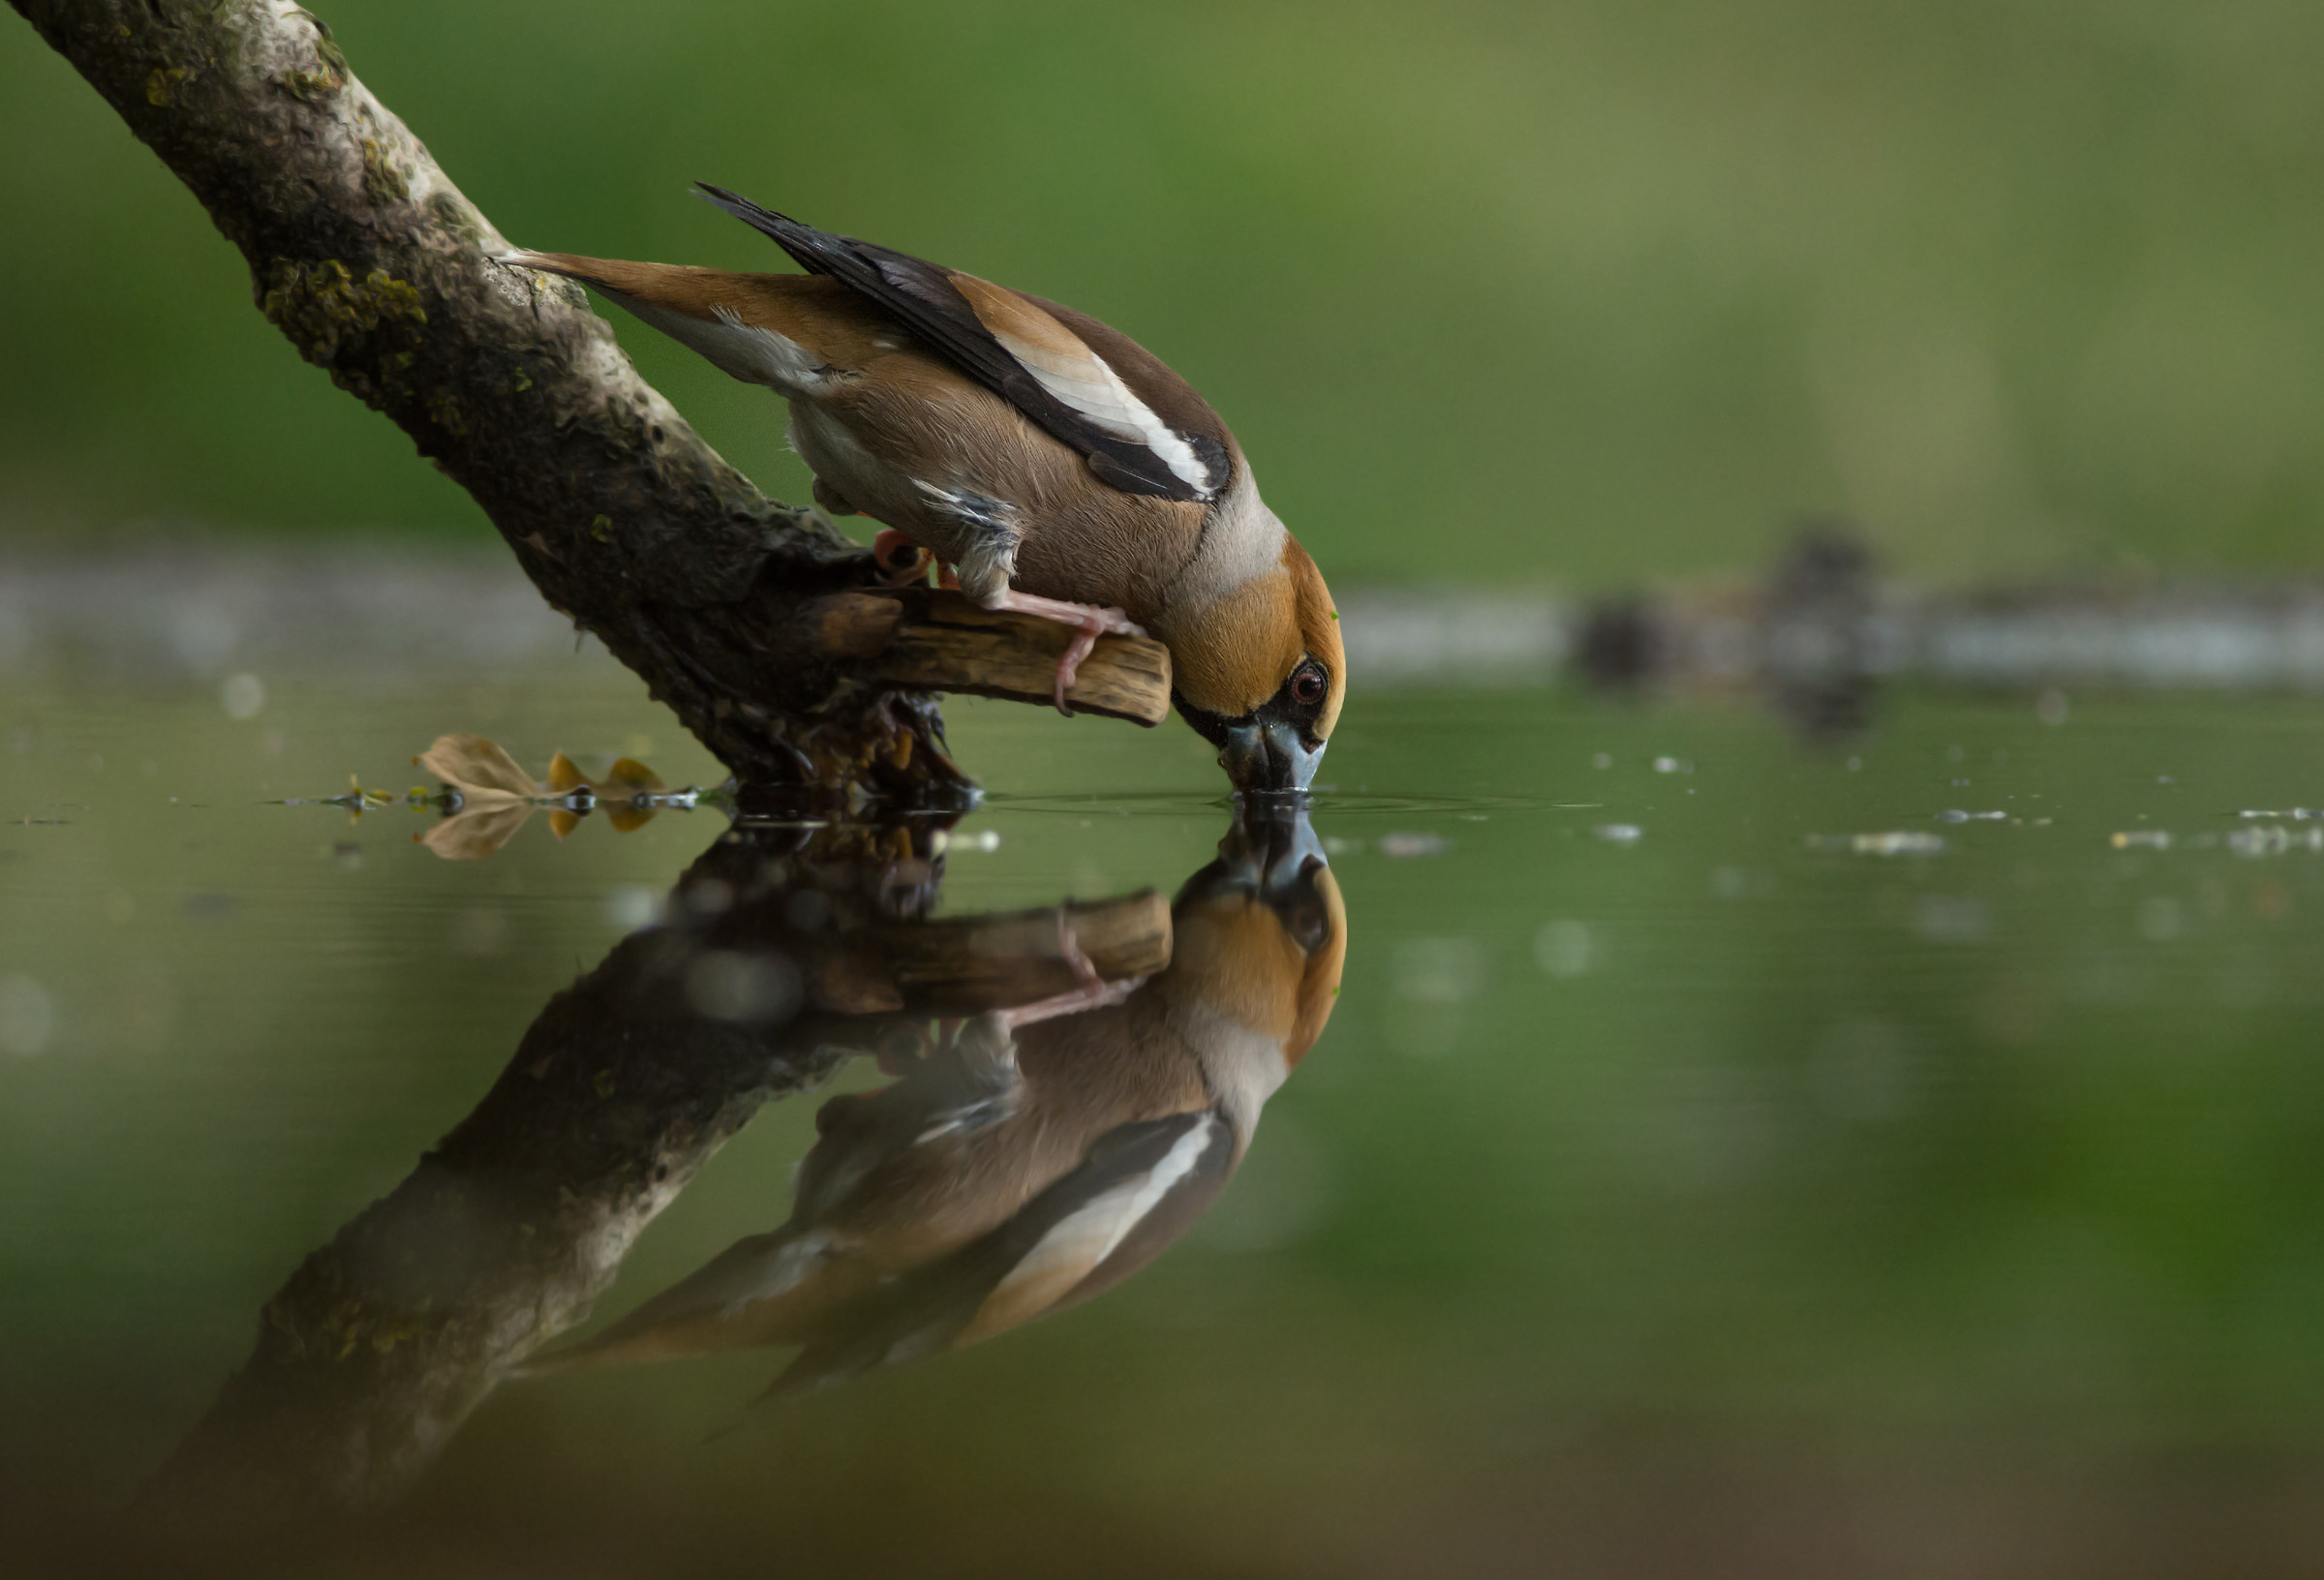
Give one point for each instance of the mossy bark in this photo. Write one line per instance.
(379, 270)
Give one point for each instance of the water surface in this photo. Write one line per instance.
(1727, 1153)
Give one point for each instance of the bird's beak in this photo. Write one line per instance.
(1265, 757)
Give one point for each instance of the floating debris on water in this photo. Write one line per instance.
(1954, 814)
(945, 839)
(487, 797)
(2297, 814)
(1672, 765)
(2140, 839)
(1414, 844)
(1619, 833)
(2275, 839)
(27, 1015)
(357, 800)
(1564, 949)
(1894, 842)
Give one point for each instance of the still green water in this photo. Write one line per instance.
(1728, 1153)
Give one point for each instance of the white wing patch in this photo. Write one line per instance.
(1088, 384)
(1091, 1233)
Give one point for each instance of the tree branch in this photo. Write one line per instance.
(375, 265)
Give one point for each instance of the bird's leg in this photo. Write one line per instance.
(1088, 619)
(1089, 991)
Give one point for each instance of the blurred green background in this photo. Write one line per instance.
(1583, 291)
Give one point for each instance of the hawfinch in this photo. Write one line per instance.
(1058, 466)
(1029, 1160)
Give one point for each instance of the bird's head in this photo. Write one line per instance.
(1260, 675)
(1262, 931)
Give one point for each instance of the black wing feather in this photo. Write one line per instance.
(920, 294)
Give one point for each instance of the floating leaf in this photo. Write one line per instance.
(630, 774)
(564, 778)
(478, 770)
(490, 785)
(622, 791)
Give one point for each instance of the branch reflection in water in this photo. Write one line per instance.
(1072, 1088)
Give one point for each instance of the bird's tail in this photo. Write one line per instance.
(737, 1301)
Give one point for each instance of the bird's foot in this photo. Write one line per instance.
(1088, 622)
(1089, 991)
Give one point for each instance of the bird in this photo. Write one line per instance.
(1055, 465)
(1027, 1159)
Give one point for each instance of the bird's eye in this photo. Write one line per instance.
(1308, 685)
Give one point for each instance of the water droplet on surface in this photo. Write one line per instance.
(1438, 970)
(1407, 845)
(632, 906)
(1946, 919)
(242, 696)
(1564, 949)
(27, 1017)
(481, 931)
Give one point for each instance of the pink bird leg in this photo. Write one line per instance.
(1089, 622)
(1090, 991)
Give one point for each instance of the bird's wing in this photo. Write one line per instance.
(1141, 1187)
(1141, 428)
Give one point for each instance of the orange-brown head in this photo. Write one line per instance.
(1260, 673)
(1262, 933)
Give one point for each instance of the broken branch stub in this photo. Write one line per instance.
(945, 642)
(378, 269)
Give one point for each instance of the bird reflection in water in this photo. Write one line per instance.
(1071, 1088)
(1031, 1157)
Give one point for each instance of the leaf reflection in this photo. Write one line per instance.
(488, 796)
